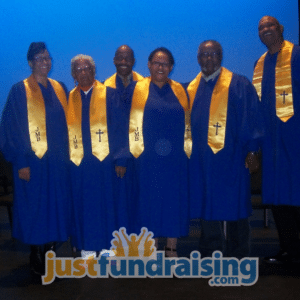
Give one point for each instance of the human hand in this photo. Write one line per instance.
(120, 171)
(252, 162)
(24, 174)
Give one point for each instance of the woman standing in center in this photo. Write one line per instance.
(158, 124)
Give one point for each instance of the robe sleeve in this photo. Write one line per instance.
(296, 67)
(14, 136)
(123, 154)
(117, 130)
(252, 130)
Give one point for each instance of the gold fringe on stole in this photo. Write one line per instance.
(37, 113)
(218, 108)
(111, 81)
(139, 99)
(98, 124)
(283, 81)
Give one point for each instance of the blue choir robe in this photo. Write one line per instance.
(220, 183)
(41, 211)
(161, 170)
(124, 191)
(93, 205)
(281, 145)
(120, 88)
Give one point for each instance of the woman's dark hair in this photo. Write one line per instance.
(164, 50)
(34, 49)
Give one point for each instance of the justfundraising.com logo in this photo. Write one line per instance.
(136, 257)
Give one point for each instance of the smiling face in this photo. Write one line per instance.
(160, 68)
(270, 32)
(209, 57)
(41, 64)
(84, 73)
(124, 61)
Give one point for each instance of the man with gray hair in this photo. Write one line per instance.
(224, 124)
(93, 135)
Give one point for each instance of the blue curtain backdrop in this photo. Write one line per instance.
(97, 28)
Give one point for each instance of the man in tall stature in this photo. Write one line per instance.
(277, 81)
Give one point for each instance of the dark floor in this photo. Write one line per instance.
(274, 282)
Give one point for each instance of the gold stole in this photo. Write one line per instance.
(98, 123)
(111, 81)
(139, 99)
(283, 81)
(218, 108)
(37, 113)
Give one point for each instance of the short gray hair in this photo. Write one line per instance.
(83, 57)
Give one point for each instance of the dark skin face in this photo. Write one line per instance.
(41, 64)
(160, 68)
(124, 61)
(84, 73)
(270, 33)
(209, 58)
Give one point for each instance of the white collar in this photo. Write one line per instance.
(211, 76)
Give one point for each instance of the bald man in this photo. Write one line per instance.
(277, 81)
(124, 62)
(124, 187)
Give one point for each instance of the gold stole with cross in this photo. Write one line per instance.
(98, 124)
(218, 108)
(283, 81)
(37, 113)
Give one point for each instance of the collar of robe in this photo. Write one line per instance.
(85, 88)
(111, 81)
(37, 114)
(283, 81)
(218, 108)
(98, 124)
(139, 99)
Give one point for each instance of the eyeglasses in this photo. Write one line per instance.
(43, 58)
(79, 70)
(158, 64)
(211, 54)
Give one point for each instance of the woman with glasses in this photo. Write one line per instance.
(34, 137)
(157, 124)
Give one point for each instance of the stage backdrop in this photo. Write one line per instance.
(97, 28)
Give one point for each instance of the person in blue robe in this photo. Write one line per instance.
(124, 61)
(124, 192)
(41, 181)
(93, 205)
(280, 148)
(218, 178)
(161, 168)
